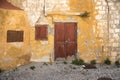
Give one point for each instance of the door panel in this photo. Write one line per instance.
(59, 32)
(70, 49)
(70, 32)
(60, 50)
(71, 39)
(59, 40)
(65, 39)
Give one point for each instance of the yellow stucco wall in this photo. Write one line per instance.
(13, 54)
(89, 46)
(87, 43)
(41, 50)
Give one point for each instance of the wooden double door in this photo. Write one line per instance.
(65, 39)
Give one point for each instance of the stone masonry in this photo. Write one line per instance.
(108, 24)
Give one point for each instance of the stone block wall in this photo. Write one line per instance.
(108, 23)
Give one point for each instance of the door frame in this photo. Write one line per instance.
(76, 28)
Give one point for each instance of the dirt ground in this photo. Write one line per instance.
(61, 71)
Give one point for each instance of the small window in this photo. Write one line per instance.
(14, 36)
(41, 32)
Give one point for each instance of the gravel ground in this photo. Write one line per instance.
(60, 71)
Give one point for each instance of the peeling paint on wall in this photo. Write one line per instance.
(13, 53)
(91, 31)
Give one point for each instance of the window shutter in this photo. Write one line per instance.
(14, 36)
(37, 32)
(41, 32)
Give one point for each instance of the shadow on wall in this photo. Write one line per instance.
(117, 0)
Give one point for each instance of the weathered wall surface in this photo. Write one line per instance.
(88, 46)
(94, 40)
(108, 25)
(60, 10)
(13, 54)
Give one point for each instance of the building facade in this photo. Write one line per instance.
(53, 29)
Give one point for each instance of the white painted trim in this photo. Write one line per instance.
(66, 13)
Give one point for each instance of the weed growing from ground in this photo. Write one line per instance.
(93, 62)
(117, 63)
(1, 70)
(65, 62)
(78, 62)
(45, 64)
(32, 67)
(107, 61)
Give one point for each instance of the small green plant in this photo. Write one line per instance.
(93, 62)
(45, 63)
(78, 62)
(15, 69)
(32, 67)
(85, 14)
(117, 63)
(107, 61)
(1, 70)
(65, 62)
